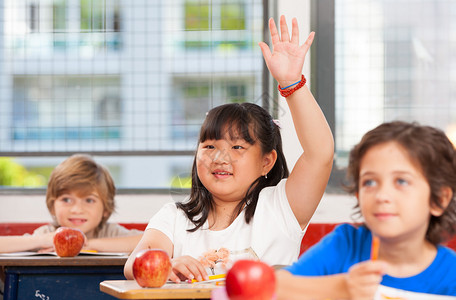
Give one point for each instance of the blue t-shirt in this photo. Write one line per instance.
(348, 245)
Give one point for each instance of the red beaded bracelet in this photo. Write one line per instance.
(287, 92)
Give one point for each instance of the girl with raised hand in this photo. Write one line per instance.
(243, 204)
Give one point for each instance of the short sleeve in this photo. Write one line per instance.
(164, 220)
(273, 207)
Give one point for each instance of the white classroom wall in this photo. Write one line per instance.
(139, 208)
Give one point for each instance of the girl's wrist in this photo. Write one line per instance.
(288, 83)
(288, 90)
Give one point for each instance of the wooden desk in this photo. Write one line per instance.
(129, 289)
(50, 277)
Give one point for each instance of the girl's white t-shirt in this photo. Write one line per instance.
(273, 234)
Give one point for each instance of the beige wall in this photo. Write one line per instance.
(140, 208)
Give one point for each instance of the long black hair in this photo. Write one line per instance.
(253, 124)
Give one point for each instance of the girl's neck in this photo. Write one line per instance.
(222, 215)
(407, 258)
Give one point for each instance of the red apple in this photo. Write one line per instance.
(68, 242)
(249, 279)
(151, 267)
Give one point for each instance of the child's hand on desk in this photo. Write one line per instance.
(364, 278)
(47, 242)
(46, 250)
(187, 268)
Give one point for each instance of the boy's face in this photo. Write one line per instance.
(81, 211)
(394, 195)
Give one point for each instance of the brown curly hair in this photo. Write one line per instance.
(80, 172)
(429, 148)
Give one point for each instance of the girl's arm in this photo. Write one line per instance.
(184, 267)
(151, 239)
(307, 181)
(114, 244)
(19, 243)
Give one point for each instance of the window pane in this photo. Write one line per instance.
(394, 60)
(197, 15)
(65, 108)
(232, 16)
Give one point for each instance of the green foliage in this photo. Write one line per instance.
(15, 175)
(181, 182)
(233, 17)
(197, 15)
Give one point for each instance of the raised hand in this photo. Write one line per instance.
(286, 60)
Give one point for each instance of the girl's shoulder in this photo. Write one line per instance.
(170, 209)
(169, 216)
(279, 187)
(275, 194)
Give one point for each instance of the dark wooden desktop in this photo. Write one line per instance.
(50, 277)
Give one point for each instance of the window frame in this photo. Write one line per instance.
(322, 72)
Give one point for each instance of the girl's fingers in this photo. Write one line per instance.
(183, 269)
(174, 278)
(190, 268)
(196, 272)
(266, 51)
(306, 46)
(294, 31)
(284, 30)
(201, 270)
(273, 30)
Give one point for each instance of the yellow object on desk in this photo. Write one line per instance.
(211, 278)
(88, 251)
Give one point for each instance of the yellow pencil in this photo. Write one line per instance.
(212, 277)
(88, 251)
(375, 247)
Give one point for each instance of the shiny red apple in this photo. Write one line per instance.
(252, 280)
(68, 242)
(151, 267)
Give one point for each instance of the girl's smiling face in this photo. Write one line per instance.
(227, 167)
(394, 195)
(79, 210)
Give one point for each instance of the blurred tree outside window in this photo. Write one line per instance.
(14, 174)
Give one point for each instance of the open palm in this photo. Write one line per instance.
(286, 60)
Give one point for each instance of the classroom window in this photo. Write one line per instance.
(391, 62)
(195, 96)
(65, 108)
(116, 79)
(59, 16)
